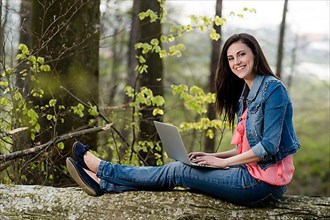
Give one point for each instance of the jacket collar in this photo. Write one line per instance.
(255, 87)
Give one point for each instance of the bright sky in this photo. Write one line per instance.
(303, 16)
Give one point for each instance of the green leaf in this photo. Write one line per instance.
(4, 101)
(193, 19)
(153, 16)
(156, 49)
(214, 35)
(159, 162)
(171, 38)
(45, 68)
(49, 117)
(142, 15)
(143, 68)
(33, 136)
(154, 42)
(93, 111)
(210, 134)
(41, 60)
(9, 71)
(189, 28)
(81, 107)
(32, 115)
(18, 96)
(60, 145)
(20, 56)
(141, 59)
(163, 39)
(162, 54)
(158, 100)
(157, 111)
(24, 49)
(240, 16)
(129, 91)
(37, 128)
(219, 21)
(32, 58)
(4, 83)
(52, 102)
(78, 110)
(195, 90)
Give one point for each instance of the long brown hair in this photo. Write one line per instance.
(228, 86)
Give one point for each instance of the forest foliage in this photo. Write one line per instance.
(184, 103)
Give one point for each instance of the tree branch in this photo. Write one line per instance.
(9, 133)
(39, 148)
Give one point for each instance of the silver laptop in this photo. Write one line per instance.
(173, 144)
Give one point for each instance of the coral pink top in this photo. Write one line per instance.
(279, 174)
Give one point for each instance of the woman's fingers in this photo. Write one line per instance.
(193, 155)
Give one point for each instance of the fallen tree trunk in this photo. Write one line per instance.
(42, 202)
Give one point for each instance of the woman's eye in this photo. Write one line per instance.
(230, 58)
(241, 54)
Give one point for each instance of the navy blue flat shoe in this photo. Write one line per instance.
(87, 183)
(78, 151)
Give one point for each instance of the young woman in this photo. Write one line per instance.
(260, 166)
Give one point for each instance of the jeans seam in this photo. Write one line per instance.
(257, 182)
(264, 198)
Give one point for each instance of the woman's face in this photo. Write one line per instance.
(241, 60)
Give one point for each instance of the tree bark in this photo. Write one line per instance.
(281, 41)
(150, 80)
(211, 112)
(3, 22)
(41, 202)
(66, 34)
(24, 85)
(1, 39)
(133, 39)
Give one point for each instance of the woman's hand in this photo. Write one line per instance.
(210, 160)
(193, 155)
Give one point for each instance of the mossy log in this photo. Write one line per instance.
(44, 202)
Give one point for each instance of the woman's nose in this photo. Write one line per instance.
(237, 61)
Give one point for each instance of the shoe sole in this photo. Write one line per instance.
(76, 176)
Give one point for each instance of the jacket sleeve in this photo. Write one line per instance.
(275, 106)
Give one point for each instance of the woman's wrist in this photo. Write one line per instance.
(226, 154)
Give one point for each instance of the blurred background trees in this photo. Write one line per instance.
(131, 62)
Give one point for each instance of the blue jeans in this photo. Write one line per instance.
(235, 184)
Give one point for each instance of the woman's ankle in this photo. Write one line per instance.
(93, 176)
(92, 161)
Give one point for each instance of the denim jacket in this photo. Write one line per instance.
(269, 125)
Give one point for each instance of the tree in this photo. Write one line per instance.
(25, 38)
(23, 83)
(152, 78)
(281, 41)
(1, 35)
(134, 37)
(215, 54)
(66, 34)
(3, 22)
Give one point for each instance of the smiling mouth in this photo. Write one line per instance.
(240, 68)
